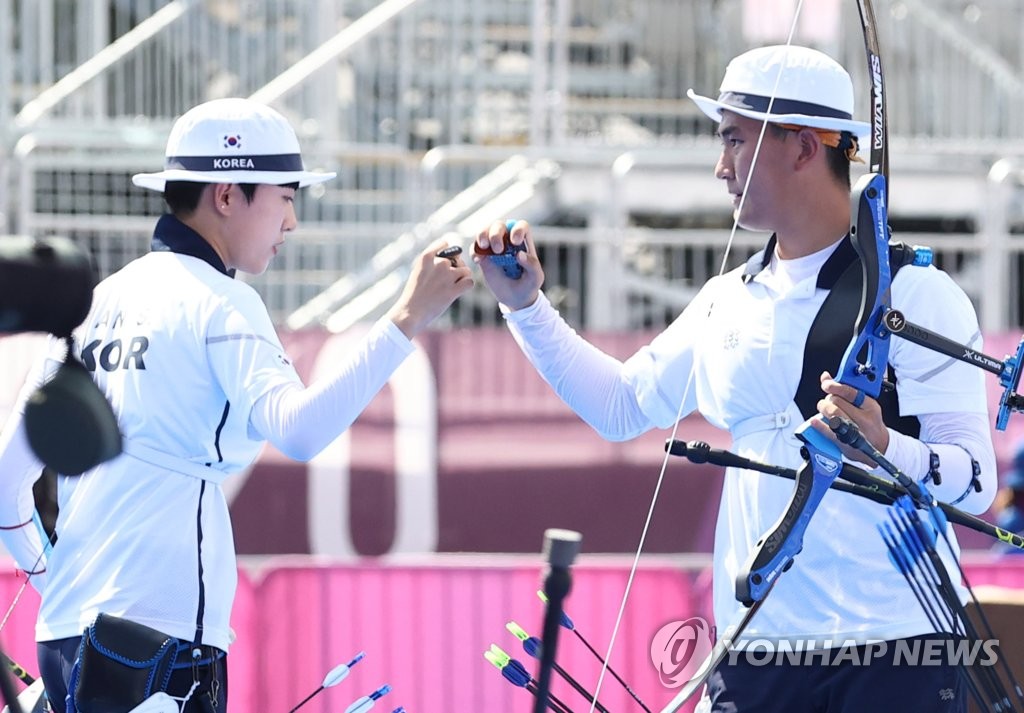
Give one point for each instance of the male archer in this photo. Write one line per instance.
(754, 353)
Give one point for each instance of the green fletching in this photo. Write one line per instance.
(500, 655)
(517, 631)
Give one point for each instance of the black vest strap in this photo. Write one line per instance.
(832, 329)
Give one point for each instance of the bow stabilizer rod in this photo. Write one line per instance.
(852, 479)
(1008, 370)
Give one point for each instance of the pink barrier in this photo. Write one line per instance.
(1005, 571)
(424, 628)
(244, 661)
(19, 636)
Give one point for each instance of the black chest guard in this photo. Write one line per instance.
(832, 329)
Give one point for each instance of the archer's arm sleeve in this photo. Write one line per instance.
(963, 443)
(596, 386)
(256, 375)
(946, 395)
(302, 421)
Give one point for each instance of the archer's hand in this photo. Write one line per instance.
(435, 282)
(513, 293)
(838, 401)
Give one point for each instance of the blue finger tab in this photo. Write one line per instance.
(858, 399)
(507, 259)
(508, 263)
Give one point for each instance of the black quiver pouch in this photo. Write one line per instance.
(120, 665)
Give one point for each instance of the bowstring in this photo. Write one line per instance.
(72, 504)
(17, 595)
(44, 543)
(689, 381)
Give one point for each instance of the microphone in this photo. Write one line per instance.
(560, 550)
(46, 286)
(70, 425)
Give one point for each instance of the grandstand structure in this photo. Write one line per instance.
(441, 116)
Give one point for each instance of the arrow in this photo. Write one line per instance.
(568, 624)
(335, 676)
(912, 548)
(367, 702)
(515, 673)
(532, 646)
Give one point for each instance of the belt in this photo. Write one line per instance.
(175, 463)
(767, 422)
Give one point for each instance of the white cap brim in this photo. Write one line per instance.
(156, 181)
(713, 108)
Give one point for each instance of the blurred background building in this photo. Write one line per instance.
(441, 116)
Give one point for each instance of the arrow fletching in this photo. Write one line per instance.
(340, 672)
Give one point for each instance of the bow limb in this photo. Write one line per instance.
(879, 149)
(863, 366)
(1009, 370)
(21, 529)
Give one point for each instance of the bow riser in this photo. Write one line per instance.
(864, 363)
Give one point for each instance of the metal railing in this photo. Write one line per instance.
(414, 101)
(626, 237)
(513, 187)
(152, 58)
(441, 72)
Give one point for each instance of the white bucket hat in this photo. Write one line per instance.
(813, 90)
(232, 141)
